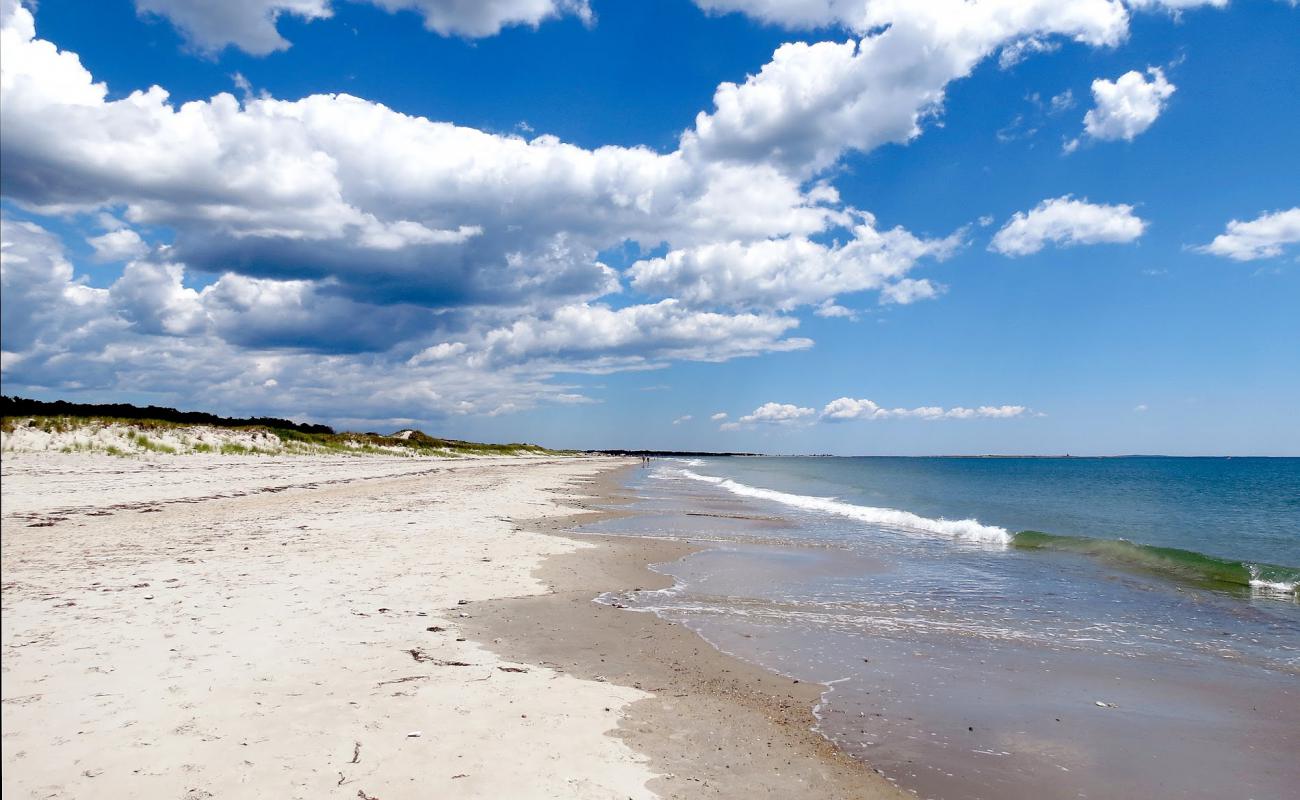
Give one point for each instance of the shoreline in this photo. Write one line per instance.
(714, 725)
(996, 709)
(206, 627)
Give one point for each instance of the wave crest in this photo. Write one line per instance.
(1264, 579)
(1171, 561)
(962, 529)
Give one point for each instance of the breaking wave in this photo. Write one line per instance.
(962, 529)
(1171, 561)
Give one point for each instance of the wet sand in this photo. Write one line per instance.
(714, 726)
(954, 715)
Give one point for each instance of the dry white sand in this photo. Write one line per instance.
(193, 627)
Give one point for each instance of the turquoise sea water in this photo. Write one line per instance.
(1229, 510)
(1008, 627)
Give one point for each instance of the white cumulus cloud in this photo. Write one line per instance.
(830, 309)
(908, 290)
(478, 18)
(1065, 221)
(1262, 237)
(250, 25)
(43, 300)
(789, 272)
(1125, 107)
(777, 414)
(247, 24)
(154, 299)
(442, 351)
(601, 338)
(812, 102)
(122, 244)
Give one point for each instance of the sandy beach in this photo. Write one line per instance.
(194, 627)
(599, 400)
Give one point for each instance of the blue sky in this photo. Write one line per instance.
(1031, 227)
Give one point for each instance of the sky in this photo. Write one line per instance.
(786, 226)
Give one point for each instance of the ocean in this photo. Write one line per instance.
(998, 628)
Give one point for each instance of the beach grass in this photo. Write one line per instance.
(148, 435)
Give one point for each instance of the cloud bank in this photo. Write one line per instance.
(844, 409)
(848, 408)
(275, 250)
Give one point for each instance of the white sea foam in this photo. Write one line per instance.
(1264, 586)
(1273, 589)
(963, 529)
(1273, 586)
